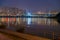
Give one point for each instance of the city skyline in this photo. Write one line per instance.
(33, 5)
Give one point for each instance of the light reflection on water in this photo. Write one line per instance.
(38, 26)
(26, 21)
(44, 27)
(43, 21)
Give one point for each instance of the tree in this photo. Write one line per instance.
(58, 17)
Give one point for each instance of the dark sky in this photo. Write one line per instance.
(34, 5)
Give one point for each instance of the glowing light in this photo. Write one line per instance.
(29, 19)
(29, 14)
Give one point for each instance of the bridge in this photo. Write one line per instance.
(30, 16)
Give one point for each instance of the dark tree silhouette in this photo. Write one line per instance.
(58, 17)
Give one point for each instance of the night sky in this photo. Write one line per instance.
(34, 5)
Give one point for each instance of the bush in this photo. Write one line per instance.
(21, 29)
(2, 26)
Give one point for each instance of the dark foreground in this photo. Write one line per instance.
(47, 31)
(10, 35)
